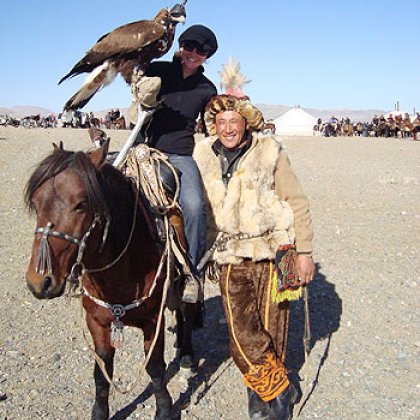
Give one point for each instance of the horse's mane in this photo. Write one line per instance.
(110, 194)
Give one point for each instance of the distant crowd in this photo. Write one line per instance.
(398, 125)
(74, 119)
(31, 121)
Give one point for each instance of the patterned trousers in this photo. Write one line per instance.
(257, 327)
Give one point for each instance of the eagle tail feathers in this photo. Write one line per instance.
(99, 78)
(79, 68)
(78, 100)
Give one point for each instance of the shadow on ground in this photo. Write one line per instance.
(211, 346)
(325, 309)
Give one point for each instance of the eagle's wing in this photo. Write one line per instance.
(124, 40)
(127, 38)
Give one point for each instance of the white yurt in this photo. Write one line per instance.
(295, 122)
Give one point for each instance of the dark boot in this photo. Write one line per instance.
(281, 406)
(257, 408)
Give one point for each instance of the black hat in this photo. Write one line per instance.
(201, 34)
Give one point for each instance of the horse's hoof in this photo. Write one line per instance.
(100, 413)
(186, 362)
(186, 368)
(163, 414)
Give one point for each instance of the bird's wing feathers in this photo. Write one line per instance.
(127, 38)
(102, 76)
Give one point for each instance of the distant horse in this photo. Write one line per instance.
(31, 121)
(330, 129)
(392, 129)
(358, 128)
(315, 130)
(416, 128)
(95, 122)
(9, 120)
(347, 130)
(116, 123)
(269, 128)
(92, 225)
(119, 123)
(407, 129)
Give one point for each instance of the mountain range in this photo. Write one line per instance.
(269, 112)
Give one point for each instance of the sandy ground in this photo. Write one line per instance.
(364, 362)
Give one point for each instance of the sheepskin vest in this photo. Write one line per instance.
(249, 205)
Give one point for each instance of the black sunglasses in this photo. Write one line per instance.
(190, 46)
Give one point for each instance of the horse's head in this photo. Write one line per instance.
(65, 194)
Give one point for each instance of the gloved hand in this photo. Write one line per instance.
(145, 91)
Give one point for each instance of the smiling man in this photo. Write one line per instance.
(256, 204)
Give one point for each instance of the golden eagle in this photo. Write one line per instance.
(122, 50)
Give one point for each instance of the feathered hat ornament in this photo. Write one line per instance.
(232, 80)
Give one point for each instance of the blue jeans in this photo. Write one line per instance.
(193, 205)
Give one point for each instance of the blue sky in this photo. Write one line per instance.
(354, 54)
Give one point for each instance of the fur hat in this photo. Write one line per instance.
(202, 35)
(241, 105)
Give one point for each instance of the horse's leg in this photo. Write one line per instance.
(103, 348)
(185, 317)
(156, 369)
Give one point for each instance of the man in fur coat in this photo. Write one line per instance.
(255, 205)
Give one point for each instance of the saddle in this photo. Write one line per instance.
(158, 184)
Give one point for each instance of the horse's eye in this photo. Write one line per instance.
(81, 207)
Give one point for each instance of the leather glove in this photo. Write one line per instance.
(146, 90)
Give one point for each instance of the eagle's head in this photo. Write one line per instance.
(177, 13)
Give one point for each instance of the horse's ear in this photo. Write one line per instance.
(59, 147)
(98, 156)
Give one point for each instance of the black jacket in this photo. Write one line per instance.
(172, 126)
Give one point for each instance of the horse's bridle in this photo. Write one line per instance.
(44, 264)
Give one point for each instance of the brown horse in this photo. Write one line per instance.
(116, 124)
(119, 123)
(91, 227)
(347, 130)
(95, 122)
(407, 129)
(269, 128)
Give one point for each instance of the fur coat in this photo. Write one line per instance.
(249, 205)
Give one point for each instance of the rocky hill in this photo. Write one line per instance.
(22, 111)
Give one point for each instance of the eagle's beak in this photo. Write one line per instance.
(178, 13)
(179, 19)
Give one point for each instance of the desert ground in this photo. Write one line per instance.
(364, 301)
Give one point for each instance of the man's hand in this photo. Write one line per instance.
(305, 268)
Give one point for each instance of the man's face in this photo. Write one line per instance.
(230, 129)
